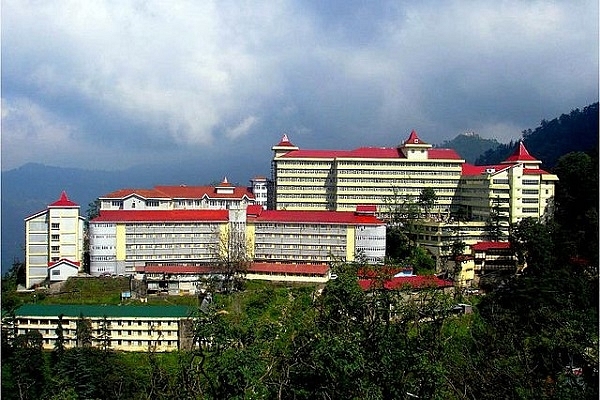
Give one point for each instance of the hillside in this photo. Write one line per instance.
(470, 146)
(576, 131)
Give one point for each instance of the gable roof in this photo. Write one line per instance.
(285, 141)
(63, 201)
(520, 154)
(184, 192)
(413, 138)
(64, 261)
(371, 152)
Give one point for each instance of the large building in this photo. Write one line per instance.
(126, 241)
(53, 240)
(468, 198)
(118, 327)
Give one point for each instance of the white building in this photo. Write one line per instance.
(53, 234)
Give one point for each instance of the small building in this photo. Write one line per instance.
(124, 327)
(285, 272)
(62, 270)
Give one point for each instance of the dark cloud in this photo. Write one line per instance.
(218, 82)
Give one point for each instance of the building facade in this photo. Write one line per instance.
(122, 327)
(51, 235)
(473, 203)
(126, 241)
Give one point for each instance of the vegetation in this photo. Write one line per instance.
(534, 336)
(470, 146)
(573, 132)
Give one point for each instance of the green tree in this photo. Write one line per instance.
(83, 331)
(427, 199)
(104, 333)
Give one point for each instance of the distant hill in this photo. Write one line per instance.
(470, 146)
(576, 131)
(31, 187)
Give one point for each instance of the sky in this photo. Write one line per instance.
(114, 84)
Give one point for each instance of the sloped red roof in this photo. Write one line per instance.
(177, 269)
(413, 138)
(469, 169)
(416, 282)
(162, 215)
(52, 264)
(535, 171)
(482, 246)
(317, 217)
(285, 141)
(63, 201)
(183, 192)
(320, 269)
(254, 210)
(520, 154)
(371, 152)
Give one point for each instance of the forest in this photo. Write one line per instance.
(534, 336)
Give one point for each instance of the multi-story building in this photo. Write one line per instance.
(183, 197)
(342, 179)
(118, 327)
(260, 189)
(53, 236)
(469, 199)
(126, 241)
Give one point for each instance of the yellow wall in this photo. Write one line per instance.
(120, 242)
(350, 243)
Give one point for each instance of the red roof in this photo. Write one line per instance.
(413, 138)
(52, 264)
(320, 269)
(63, 201)
(468, 169)
(371, 152)
(520, 154)
(416, 282)
(254, 210)
(183, 192)
(285, 141)
(317, 217)
(177, 269)
(162, 215)
(534, 171)
(482, 246)
(366, 208)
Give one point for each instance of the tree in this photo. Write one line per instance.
(83, 331)
(27, 365)
(534, 245)
(494, 231)
(59, 343)
(427, 199)
(104, 333)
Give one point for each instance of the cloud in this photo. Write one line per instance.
(148, 80)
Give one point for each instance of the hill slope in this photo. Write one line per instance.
(576, 131)
(470, 146)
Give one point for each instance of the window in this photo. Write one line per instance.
(55, 249)
(55, 237)
(55, 272)
(55, 225)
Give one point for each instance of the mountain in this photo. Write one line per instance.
(30, 188)
(576, 131)
(470, 145)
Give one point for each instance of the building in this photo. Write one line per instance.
(315, 236)
(473, 203)
(220, 197)
(260, 188)
(494, 257)
(134, 241)
(342, 179)
(52, 235)
(122, 240)
(122, 327)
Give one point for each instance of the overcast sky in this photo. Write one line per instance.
(111, 84)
